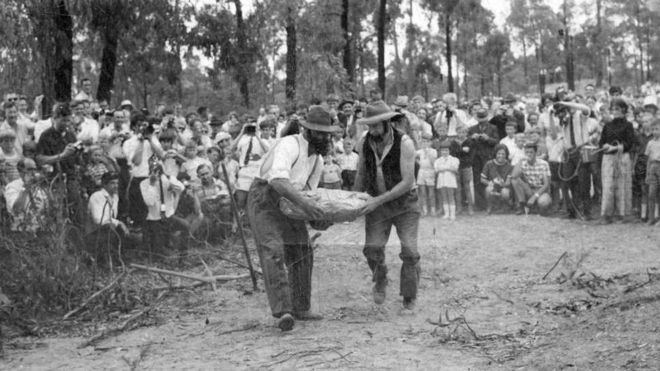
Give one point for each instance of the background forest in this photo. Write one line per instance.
(242, 54)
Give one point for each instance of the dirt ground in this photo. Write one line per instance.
(483, 305)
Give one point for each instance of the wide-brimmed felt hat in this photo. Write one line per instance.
(509, 98)
(377, 112)
(401, 101)
(319, 119)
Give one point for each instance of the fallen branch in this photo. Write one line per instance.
(97, 294)
(124, 326)
(208, 270)
(179, 287)
(562, 256)
(245, 327)
(211, 279)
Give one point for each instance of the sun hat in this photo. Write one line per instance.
(222, 135)
(319, 119)
(401, 101)
(7, 133)
(377, 112)
(125, 103)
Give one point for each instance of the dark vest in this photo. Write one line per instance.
(391, 165)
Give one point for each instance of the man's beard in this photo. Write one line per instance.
(377, 138)
(321, 145)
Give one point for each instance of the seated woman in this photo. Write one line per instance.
(496, 176)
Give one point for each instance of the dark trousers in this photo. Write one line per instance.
(137, 209)
(403, 214)
(579, 184)
(124, 178)
(104, 244)
(480, 199)
(284, 251)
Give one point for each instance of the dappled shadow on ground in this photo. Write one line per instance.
(483, 305)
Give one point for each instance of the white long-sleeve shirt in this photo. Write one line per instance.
(151, 194)
(103, 208)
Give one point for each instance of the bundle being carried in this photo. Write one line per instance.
(338, 205)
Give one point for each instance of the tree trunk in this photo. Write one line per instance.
(409, 56)
(53, 27)
(242, 70)
(598, 37)
(63, 52)
(110, 39)
(382, 19)
(291, 57)
(398, 68)
(568, 50)
(498, 65)
(348, 58)
(450, 76)
(525, 68)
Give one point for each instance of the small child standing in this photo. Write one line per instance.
(9, 157)
(639, 187)
(426, 177)
(653, 171)
(331, 176)
(95, 169)
(446, 168)
(348, 162)
(462, 149)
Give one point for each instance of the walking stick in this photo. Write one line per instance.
(234, 210)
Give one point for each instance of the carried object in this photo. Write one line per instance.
(339, 206)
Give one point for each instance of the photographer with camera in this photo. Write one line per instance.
(139, 150)
(251, 148)
(575, 174)
(58, 147)
(26, 200)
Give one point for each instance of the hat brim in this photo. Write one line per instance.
(378, 118)
(323, 128)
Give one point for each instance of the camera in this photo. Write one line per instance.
(250, 129)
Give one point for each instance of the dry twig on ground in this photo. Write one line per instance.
(97, 294)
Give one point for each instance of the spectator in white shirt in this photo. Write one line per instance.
(139, 150)
(26, 201)
(160, 193)
(108, 232)
(451, 116)
(87, 129)
(19, 127)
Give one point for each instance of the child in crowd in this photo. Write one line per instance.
(555, 144)
(426, 177)
(172, 160)
(338, 142)
(348, 162)
(446, 167)
(331, 176)
(518, 153)
(192, 160)
(510, 139)
(9, 156)
(496, 176)
(535, 137)
(462, 149)
(95, 169)
(653, 172)
(640, 188)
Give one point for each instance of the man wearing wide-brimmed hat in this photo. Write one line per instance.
(293, 164)
(386, 172)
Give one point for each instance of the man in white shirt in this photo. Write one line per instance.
(294, 164)
(88, 129)
(108, 231)
(13, 123)
(250, 148)
(139, 149)
(451, 116)
(25, 201)
(160, 193)
(85, 91)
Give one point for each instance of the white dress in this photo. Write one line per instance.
(446, 167)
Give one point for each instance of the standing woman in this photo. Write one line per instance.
(616, 140)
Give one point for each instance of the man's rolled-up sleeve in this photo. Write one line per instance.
(284, 155)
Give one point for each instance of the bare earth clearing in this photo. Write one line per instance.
(485, 278)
